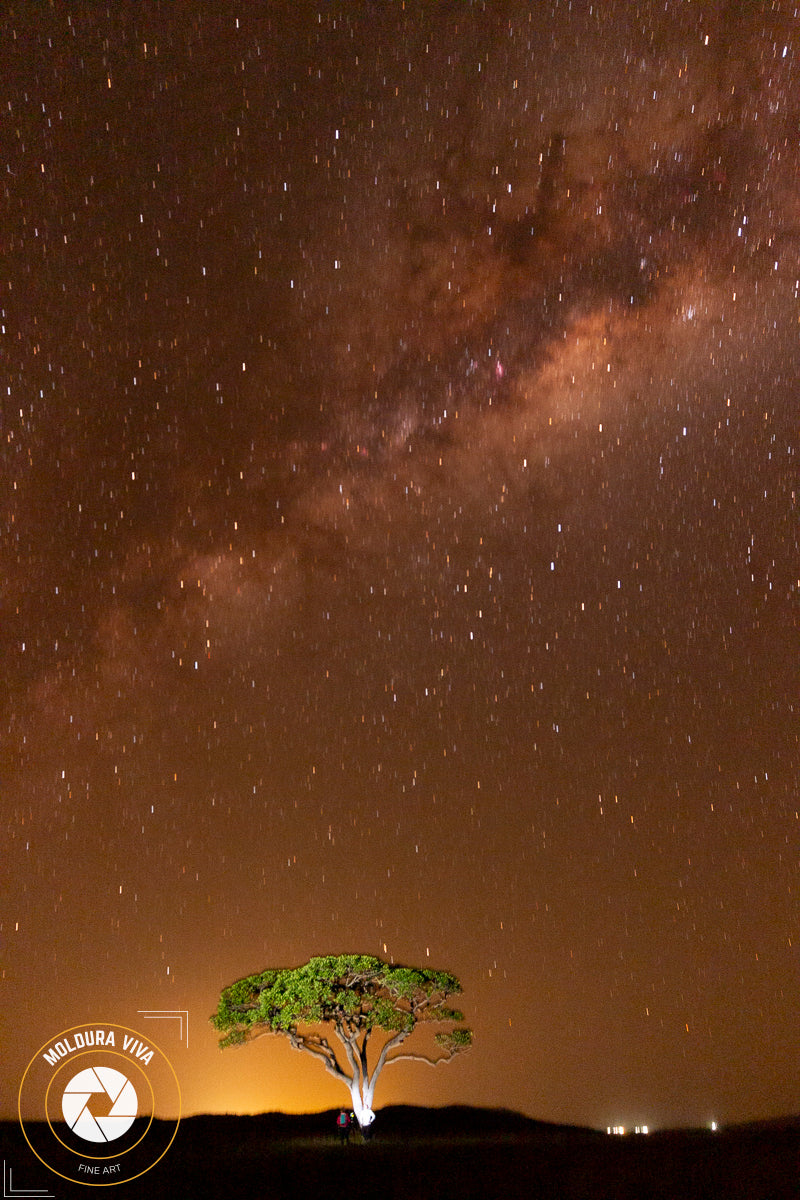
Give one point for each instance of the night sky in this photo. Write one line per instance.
(399, 535)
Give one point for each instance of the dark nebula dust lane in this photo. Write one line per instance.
(400, 545)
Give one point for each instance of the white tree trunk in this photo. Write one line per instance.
(362, 1105)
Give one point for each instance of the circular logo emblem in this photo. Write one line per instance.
(104, 1081)
(88, 1104)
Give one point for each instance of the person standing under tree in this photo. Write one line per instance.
(343, 1122)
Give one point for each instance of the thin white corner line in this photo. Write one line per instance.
(17, 1192)
(175, 1014)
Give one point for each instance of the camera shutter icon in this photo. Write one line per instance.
(99, 1081)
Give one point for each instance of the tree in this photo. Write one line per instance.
(369, 1005)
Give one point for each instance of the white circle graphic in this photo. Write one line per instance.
(104, 1081)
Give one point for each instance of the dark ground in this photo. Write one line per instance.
(440, 1153)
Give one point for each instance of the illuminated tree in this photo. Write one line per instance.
(368, 1004)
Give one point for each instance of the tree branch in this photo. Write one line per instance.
(321, 1050)
(382, 1057)
(431, 1062)
(350, 1044)
(363, 1058)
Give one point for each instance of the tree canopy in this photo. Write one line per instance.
(364, 1001)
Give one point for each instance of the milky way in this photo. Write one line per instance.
(399, 475)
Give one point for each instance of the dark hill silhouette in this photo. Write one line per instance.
(455, 1153)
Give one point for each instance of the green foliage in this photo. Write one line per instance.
(456, 1039)
(356, 993)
